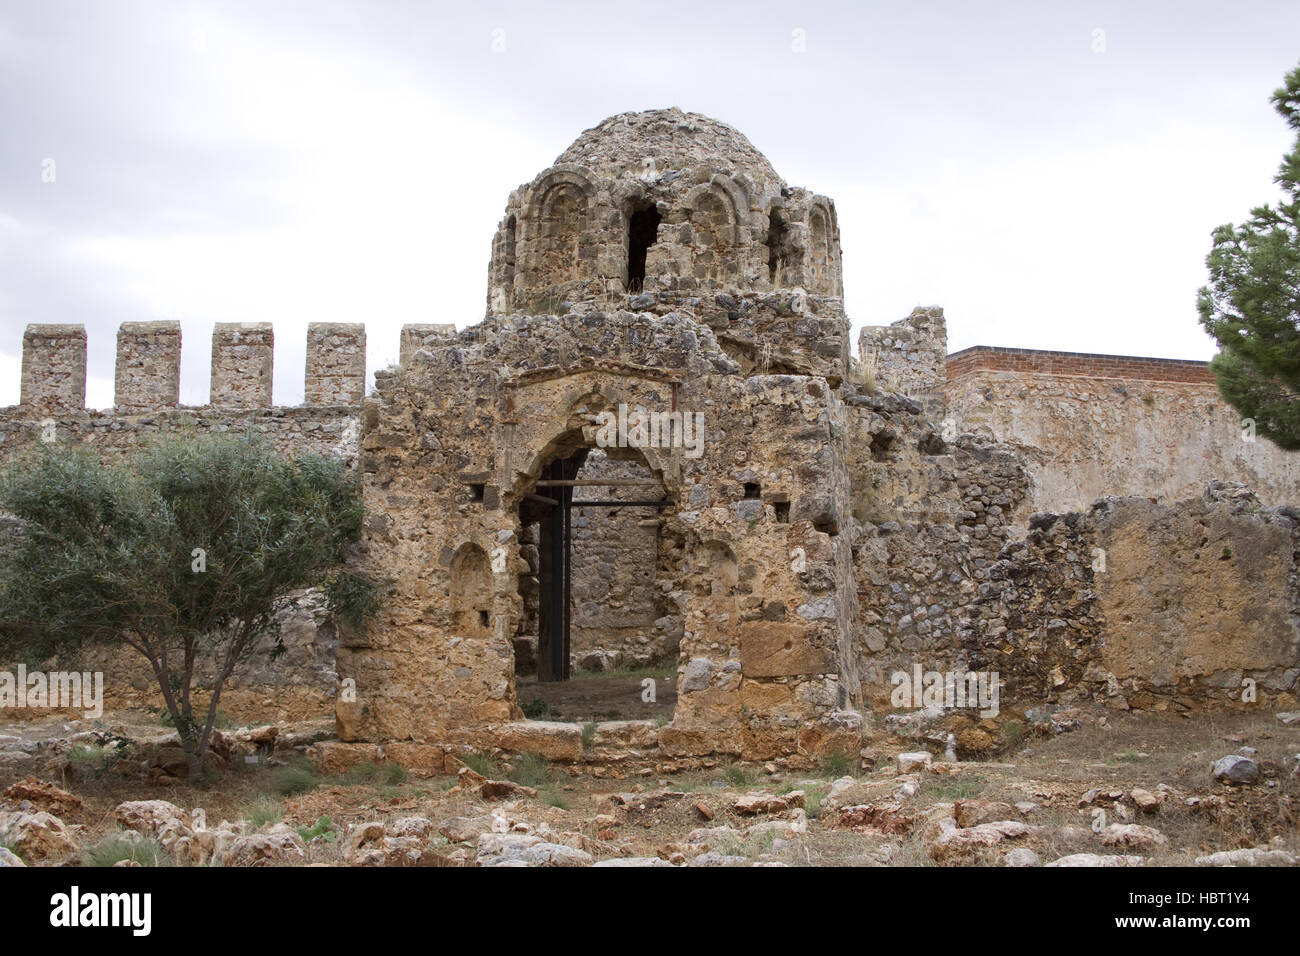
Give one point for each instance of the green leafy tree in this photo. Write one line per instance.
(1252, 304)
(182, 554)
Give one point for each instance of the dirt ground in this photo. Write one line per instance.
(618, 695)
(650, 815)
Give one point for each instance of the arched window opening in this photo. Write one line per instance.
(642, 230)
(778, 246)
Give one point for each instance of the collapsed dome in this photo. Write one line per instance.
(659, 201)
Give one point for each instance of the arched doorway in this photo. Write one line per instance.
(599, 619)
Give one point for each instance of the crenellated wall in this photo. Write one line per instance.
(148, 389)
(148, 369)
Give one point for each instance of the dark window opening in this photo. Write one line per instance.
(778, 245)
(752, 489)
(642, 230)
(782, 511)
(483, 618)
(476, 492)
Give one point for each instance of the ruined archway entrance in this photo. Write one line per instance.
(598, 639)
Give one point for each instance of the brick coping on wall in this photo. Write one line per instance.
(981, 358)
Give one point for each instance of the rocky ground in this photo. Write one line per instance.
(1086, 789)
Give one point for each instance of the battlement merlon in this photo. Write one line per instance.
(54, 368)
(243, 364)
(148, 373)
(336, 363)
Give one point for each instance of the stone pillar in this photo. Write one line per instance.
(54, 367)
(148, 374)
(416, 336)
(336, 363)
(243, 362)
(909, 356)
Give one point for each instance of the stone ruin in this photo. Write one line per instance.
(837, 520)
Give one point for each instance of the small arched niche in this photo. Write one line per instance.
(471, 591)
(713, 227)
(560, 233)
(819, 251)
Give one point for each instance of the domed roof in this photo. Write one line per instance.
(620, 145)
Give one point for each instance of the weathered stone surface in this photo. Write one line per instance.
(465, 829)
(883, 817)
(1133, 836)
(911, 762)
(969, 813)
(511, 849)
(420, 760)
(504, 790)
(554, 741)
(275, 845)
(1020, 856)
(1145, 800)
(954, 841)
(334, 757)
(9, 858)
(1094, 859)
(1252, 856)
(148, 816)
(38, 836)
(774, 649)
(752, 804)
(1235, 769)
(43, 796)
(1111, 425)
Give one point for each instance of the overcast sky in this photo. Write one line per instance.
(1051, 186)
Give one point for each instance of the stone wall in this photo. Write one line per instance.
(933, 517)
(1130, 603)
(1091, 426)
(298, 684)
(620, 609)
(1147, 606)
